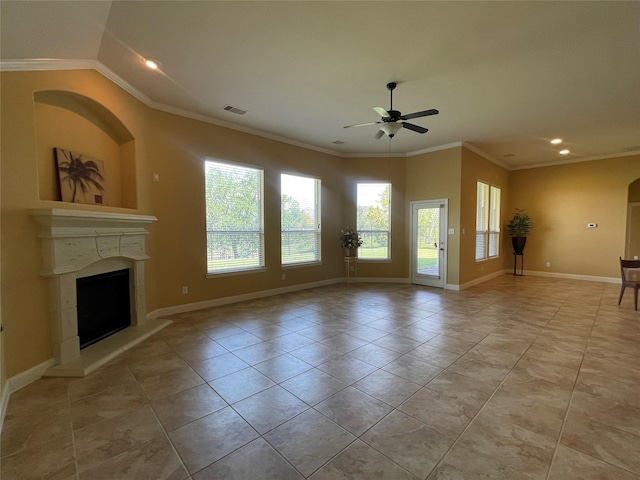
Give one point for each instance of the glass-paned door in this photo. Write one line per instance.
(428, 242)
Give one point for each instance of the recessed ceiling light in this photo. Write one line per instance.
(556, 141)
(152, 63)
(564, 152)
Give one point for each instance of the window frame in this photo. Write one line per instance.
(318, 222)
(490, 216)
(261, 265)
(363, 232)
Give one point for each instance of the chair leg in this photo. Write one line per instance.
(621, 293)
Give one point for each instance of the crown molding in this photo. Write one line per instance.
(437, 148)
(38, 64)
(579, 160)
(486, 156)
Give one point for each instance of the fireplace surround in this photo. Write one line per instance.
(78, 244)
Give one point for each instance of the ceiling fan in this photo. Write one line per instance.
(391, 118)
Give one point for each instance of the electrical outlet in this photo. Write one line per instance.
(284, 276)
(548, 264)
(185, 290)
(155, 177)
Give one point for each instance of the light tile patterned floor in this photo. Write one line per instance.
(519, 378)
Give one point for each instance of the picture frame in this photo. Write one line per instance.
(81, 178)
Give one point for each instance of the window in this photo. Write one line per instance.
(235, 225)
(374, 220)
(300, 219)
(487, 221)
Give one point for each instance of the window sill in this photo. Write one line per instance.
(248, 271)
(300, 265)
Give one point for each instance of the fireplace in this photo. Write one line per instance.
(77, 245)
(104, 306)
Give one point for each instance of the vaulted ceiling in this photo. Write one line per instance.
(506, 77)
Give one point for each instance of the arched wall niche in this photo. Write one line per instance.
(77, 123)
(632, 249)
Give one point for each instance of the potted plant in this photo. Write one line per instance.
(350, 240)
(518, 227)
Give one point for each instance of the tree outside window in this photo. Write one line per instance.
(374, 220)
(299, 219)
(234, 217)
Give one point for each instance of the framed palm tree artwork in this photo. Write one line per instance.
(81, 178)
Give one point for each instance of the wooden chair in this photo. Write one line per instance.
(630, 279)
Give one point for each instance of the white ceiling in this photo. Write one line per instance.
(506, 76)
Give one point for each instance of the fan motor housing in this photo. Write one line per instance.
(394, 115)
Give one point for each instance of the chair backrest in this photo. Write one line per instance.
(627, 264)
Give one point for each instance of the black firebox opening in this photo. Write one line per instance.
(104, 306)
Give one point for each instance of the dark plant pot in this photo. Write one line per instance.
(518, 244)
(350, 252)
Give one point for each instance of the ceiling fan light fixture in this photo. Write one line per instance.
(391, 129)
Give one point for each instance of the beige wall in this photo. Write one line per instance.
(363, 170)
(562, 200)
(432, 176)
(634, 191)
(476, 168)
(178, 253)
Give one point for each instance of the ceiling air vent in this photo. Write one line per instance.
(232, 109)
(338, 142)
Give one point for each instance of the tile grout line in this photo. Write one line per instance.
(566, 413)
(73, 434)
(155, 415)
(564, 421)
(456, 441)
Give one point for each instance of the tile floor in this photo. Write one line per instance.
(518, 378)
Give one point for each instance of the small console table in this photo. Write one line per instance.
(515, 264)
(348, 261)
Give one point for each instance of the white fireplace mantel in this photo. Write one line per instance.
(77, 244)
(75, 239)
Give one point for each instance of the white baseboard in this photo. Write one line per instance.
(19, 381)
(189, 307)
(4, 401)
(569, 276)
(376, 280)
(477, 281)
(29, 376)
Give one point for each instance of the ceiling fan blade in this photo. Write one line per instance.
(362, 124)
(381, 111)
(415, 128)
(424, 113)
(378, 135)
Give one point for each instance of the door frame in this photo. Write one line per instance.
(443, 203)
(630, 210)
